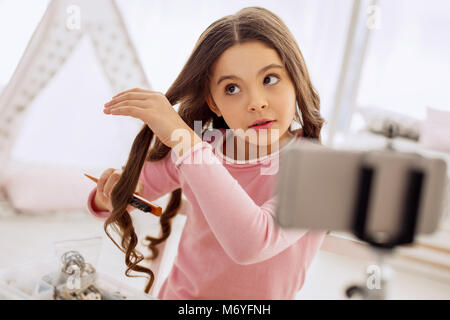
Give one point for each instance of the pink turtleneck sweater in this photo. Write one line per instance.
(230, 247)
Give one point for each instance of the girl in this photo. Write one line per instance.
(244, 68)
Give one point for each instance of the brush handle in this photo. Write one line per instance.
(138, 202)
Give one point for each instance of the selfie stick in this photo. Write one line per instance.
(382, 243)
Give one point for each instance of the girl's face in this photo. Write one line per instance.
(249, 82)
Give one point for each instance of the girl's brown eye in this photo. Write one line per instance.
(270, 75)
(230, 86)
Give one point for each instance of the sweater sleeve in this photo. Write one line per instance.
(159, 178)
(247, 232)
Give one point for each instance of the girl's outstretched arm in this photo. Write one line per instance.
(247, 232)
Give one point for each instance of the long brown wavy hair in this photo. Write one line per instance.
(190, 90)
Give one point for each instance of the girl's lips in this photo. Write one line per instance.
(263, 126)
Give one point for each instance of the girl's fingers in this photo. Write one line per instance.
(113, 178)
(132, 111)
(131, 90)
(128, 96)
(102, 180)
(137, 103)
(106, 183)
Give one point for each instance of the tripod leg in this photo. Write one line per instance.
(355, 290)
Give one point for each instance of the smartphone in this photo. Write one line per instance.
(327, 189)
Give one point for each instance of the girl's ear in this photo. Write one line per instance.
(212, 105)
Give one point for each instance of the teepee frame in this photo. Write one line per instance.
(62, 26)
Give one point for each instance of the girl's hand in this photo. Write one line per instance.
(106, 184)
(156, 111)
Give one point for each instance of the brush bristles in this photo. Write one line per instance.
(140, 205)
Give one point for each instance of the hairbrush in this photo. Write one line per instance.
(138, 202)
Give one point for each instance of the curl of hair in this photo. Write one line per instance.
(190, 90)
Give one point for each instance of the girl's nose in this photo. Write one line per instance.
(256, 100)
(257, 107)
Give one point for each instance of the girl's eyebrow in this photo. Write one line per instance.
(270, 66)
